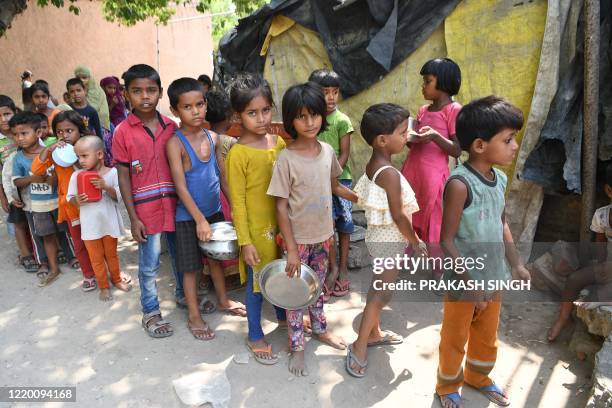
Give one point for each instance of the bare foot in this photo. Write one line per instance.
(125, 287)
(331, 340)
(105, 295)
(297, 366)
(200, 329)
(557, 328)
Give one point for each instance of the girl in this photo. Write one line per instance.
(304, 177)
(249, 169)
(68, 126)
(389, 203)
(426, 167)
(39, 96)
(114, 98)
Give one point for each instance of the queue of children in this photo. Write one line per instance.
(175, 181)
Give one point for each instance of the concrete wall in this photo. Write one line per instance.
(50, 42)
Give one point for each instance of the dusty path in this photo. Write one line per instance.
(61, 336)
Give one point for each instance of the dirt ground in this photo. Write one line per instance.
(58, 336)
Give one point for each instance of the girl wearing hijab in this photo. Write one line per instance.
(114, 98)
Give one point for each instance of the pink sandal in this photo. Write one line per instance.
(341, 288)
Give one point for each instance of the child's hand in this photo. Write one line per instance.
(82, 199)
(293, 263)
(57, 145)
(203, 231)
(420, 248)
(250, 255)
(521, 273)
(18, 203)
(139, 232)
(99, 183)
(426, 134)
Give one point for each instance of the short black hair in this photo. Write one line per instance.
(447, 73)
(74, 81)
(7, 102)
(308, 95)
(485, 117)
(42, 81)
(325, 78)
(72, 117)
(205, 79)
(140, 71)
(43, 117)
(219, 107)
(181, 86)
(608, 179)
(382, 119)
(39, 86)
(25, 118)
(247, 86)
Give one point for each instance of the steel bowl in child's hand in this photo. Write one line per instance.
(223, 245)
(294, 293)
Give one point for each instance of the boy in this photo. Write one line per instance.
(218, 113)
(40, 195)
(338, 135)
(473, 215)
(78, 97)
(147, 189)
(195, 161)
(47, 137)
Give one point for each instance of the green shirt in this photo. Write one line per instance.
(7, 146)
(49, 140)
(338, 125)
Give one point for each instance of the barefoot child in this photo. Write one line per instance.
(338, 136)
(389, 202)
(304, 177)
(69, 127)
(101, 222)
(473, 221)
(249, 169)
(194, 156)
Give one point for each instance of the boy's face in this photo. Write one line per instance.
(331, 97)
(5, 115)
(88, 157)
(143, 95)
(429, 88)
(500, 149)
(77, 93)
(307, 124)
(110, 89)
(257, 116)
(40, 100)
(67, 132)
(26, 136)
(191, 108)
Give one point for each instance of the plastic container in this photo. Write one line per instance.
(84, 185)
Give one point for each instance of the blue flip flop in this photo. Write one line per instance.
(493, 388)
(453, 396)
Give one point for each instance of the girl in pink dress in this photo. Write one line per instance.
(426, 167)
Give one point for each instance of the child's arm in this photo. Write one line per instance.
(284, 224)
(139, 232)
(450, 146)
(345, 149)
(514, 259)
(173, 151)
(343, 191)
(41, 163)
(221, 165)
(21, 182)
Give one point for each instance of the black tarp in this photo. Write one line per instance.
(365, 39)
(555, 162)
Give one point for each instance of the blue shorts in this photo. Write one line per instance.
(342, 211)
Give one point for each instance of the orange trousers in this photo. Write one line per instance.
(102, 253)
(462, 324)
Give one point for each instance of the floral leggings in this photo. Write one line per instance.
(317, 257)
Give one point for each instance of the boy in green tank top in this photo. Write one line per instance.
(474, 222)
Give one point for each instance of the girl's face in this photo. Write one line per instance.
(307, 124)
(5, 115)
(501, 148)
(40, 100)
(396, 141)
(67, 131)
(257, 116)
(84, 78)
(44, 127)
(110, 89)
(428, 89)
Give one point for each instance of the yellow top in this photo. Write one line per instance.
(248, 171)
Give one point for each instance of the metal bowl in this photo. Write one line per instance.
(224, 243)
(294, 293)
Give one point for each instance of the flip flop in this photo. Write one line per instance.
(490, 391)
(266, 350)
(208, 333)
(453, 396)
(49, 279)
(206, 306)
(89, 285)
(238, 310)
(350, 359)
(341, 288)
(389, 339)
(74, 263)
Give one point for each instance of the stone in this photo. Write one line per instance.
(359, 256)
(597, 320)
(543, 277)
(358, 234)
(601, 393)
(584, 343)
(565, 258)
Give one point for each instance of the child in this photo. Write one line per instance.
(39, 94)
(95, 95)
(194, 156)
(78, 97)
(69, 127)
(304, 176)
(249, 169)
(114, 98)
(8, 194)
(599, 273)
(426, 167)
(101, 222)
(40, 195)
(147, 189)
(206, 82)
(389, 202)
(47, 137)
(473, 215)
(338, 135)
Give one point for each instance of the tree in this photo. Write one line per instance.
(130, 12)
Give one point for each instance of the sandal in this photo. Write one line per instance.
(61, 259)
(454, 398)
(389, 339)
(205, 334)
(74, 263)
(89, 285)
(202, 287)
(341, 288)
(42, 268)
(237, 310)
(49, 279)
(206, 306)
(350, 359)
(29, 263)
(152, 329)
(494, 394)
(263, 350)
